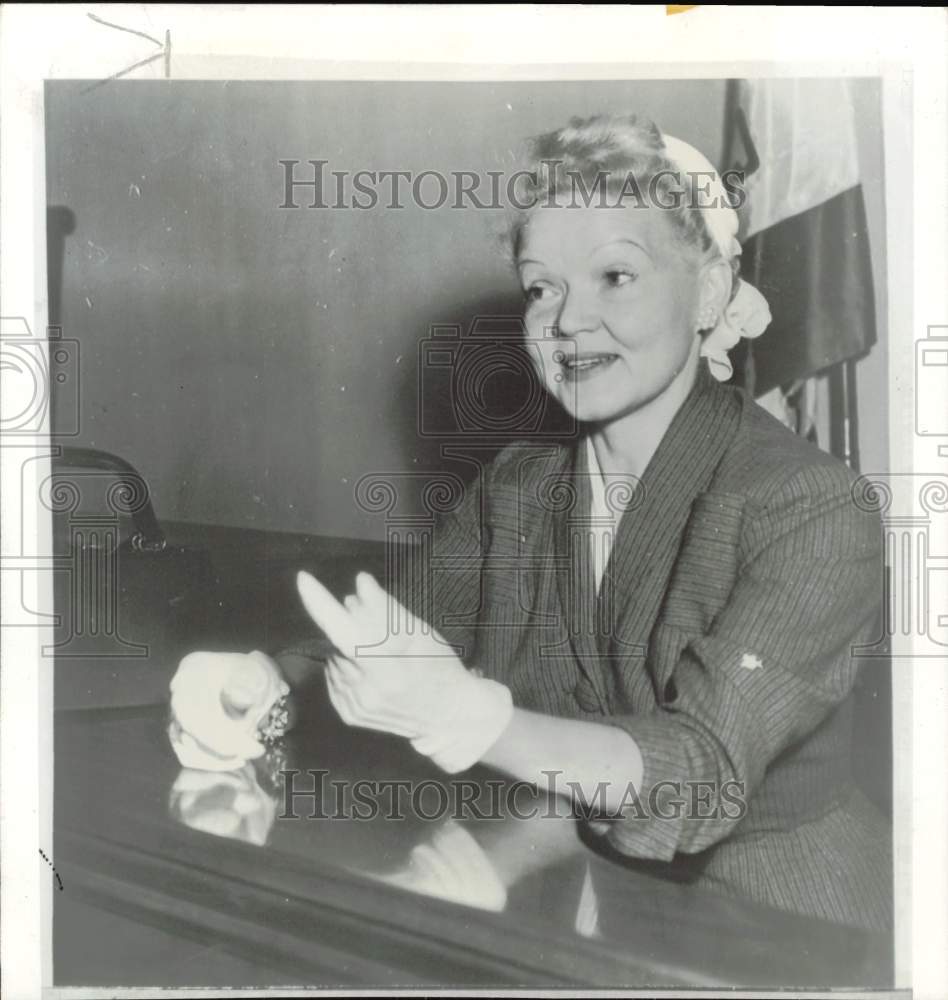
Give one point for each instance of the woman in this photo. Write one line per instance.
(681, 659)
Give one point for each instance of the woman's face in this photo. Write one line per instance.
(611, 302)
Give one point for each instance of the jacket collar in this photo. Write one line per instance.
(649, 531)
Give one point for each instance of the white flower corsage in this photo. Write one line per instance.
(225, 709)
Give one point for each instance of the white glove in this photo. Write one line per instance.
(218, 702)
(395, 674)
(454, 867)
(228, 805)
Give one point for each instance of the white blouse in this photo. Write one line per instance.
(603, 522)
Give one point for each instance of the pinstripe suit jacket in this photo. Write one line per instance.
(741, 575)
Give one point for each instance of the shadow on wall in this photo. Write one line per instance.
(473, 387)
(60, 222)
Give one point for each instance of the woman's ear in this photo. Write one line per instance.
(714, 293)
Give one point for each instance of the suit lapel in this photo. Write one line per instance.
(603, 632)
(650, 532)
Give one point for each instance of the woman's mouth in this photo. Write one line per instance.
(579, 367)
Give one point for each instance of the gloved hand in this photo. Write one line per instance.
(220, 703)
(395, 674)
(228, 805)
(451, 866)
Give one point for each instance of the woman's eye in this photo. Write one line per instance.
(617, 278)
(536, 292)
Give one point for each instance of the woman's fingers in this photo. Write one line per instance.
(391, 618)
(340, 695)
(376, 599)
(368, 589)
(374, 595)
(352, 604)
(327, 612)
(359, 622)
(360, 702)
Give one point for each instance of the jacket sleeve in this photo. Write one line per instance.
(770, 668)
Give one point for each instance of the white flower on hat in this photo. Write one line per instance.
(747, 315)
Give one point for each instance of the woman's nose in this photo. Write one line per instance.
(575, 316)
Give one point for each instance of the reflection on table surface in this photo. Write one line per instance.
(393, 874)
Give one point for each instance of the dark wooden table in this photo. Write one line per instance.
(149, 897)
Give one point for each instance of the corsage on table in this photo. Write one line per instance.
(226, 709)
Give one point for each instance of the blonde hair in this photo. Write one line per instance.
(612, 153)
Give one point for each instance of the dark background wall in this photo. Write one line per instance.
(254, 362)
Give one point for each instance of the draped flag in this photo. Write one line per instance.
(803, 226)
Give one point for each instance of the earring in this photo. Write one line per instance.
(706, 318)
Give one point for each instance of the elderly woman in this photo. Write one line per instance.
(658, 620)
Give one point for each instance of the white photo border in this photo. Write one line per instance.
(905, 47)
